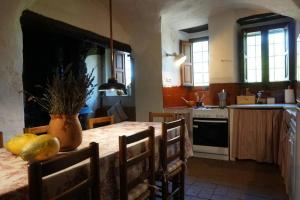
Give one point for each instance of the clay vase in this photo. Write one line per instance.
(67, 129)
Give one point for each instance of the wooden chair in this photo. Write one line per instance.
(100, 121)
(38, 130)
(90, 186)
(142, 186)
(1, 139)
(164, 116)
(172, 166)
(187, 118)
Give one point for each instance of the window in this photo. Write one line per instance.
(194, 71)
(123, 72)
(298, 58)
(253, 57)
(278, 55)
(266, 54)
(128, 70)
(200, 62)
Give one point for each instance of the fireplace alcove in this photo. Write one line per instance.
(50, 46)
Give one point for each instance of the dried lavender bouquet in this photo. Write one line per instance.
(67, 93)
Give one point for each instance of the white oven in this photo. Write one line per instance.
(210, 133)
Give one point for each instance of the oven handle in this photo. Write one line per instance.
(211, 121)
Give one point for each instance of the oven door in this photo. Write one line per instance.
(210, 132)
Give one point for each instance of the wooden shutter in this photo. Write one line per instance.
(187, 66)
(120, 67)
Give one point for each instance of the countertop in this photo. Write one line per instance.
(264, 106)
(248, 106)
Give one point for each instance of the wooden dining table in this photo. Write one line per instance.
(13, 170)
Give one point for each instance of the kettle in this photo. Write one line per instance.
(222, 98)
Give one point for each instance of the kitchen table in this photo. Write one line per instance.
(13, 170)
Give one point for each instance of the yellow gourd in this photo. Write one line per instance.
(41, 148)
(15, 144)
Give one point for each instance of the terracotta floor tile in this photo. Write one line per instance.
(242, 180)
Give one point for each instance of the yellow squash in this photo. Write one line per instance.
(42, 148)
(15, 144)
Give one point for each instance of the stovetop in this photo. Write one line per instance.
(210, 112)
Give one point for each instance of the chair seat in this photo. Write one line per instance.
(174, 165)
(139, 192)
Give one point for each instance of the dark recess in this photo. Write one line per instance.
(196, 29)
(49, 46)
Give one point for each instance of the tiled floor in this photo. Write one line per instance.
(244, 180)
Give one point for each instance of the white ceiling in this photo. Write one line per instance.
(189, 13)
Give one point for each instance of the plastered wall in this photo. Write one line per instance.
(170, 44)
(85, 14)
(223, 36)
(223, 48)
(144, 40)
(93, 63)
(89, 15)
(11, 97)
(148, 76)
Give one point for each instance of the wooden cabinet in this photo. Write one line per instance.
(292, 159)
(297, 157)
(187, 66)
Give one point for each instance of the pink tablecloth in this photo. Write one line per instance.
(13, 170)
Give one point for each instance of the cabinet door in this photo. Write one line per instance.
(187, 66)
(120, 67)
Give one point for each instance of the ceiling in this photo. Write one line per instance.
(189, 13)
(181, 14)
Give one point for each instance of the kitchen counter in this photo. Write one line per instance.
(179, 107)
(264, 106)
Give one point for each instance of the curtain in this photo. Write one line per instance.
(256, 134)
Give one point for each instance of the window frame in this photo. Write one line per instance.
(264, 29)
(199, 39)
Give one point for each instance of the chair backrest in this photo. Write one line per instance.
(125, 162)
(100, 121)
(169, 139)
(187, 118)
(165, 117)
(38, 130)
(1, 139)
(89, 186)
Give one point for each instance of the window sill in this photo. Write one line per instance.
(270, 85)
(202, 88)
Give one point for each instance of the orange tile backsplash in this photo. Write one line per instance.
(172, 95)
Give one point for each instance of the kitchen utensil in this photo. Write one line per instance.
(222, 98)
(189, 103)
(245, 99)
(289, 96)
(270, 100)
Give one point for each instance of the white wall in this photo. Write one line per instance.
(141, 32)
(223, 38)
(89, 15)
(223, 48)
(11, 62)
(144, 27)
(170, 44)
(93, 62)
(148, 71)
(198, 35)
(86, 14)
